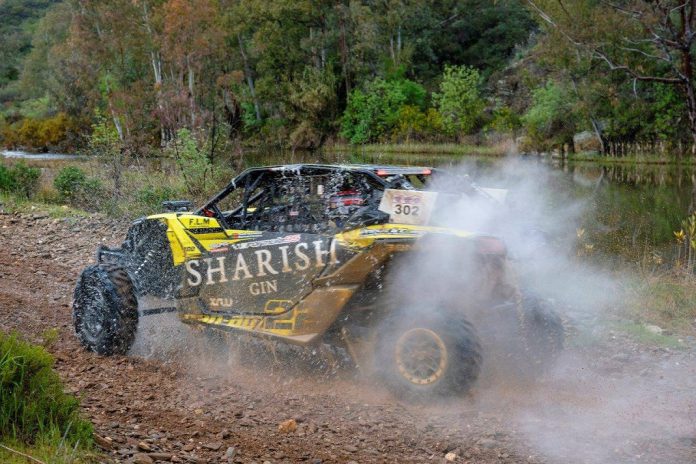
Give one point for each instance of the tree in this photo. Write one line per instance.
(551, 119)
(646, 41)
(374, 111)
(459, 100)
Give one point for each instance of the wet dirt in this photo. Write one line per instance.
(174, 400)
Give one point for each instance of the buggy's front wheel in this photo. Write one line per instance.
(433, 356)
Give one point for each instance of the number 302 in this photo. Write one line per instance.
(407, 210)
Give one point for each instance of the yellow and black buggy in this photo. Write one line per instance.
(353, 257)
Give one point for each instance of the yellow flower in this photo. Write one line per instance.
(680, 236)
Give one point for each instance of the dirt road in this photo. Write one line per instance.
(610, 400)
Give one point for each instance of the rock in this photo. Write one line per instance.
(653, 329)
(351, 448)
(213, 446)
(587, 141)
(287, 426)
(487, 443)
(142, 458)
(161, 456)
(230, 453)
(450, 457)
(142, 446)
(524, 144)
(103, 442)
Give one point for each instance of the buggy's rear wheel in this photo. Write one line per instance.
(105, 309)
(435, 356)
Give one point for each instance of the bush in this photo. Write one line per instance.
(33, 406)
(414, 124)
(550, 121)
(374, 111)
(69, 180)
(26, 179)
(20, 179)
(459, 99)
(76, 188)
(39, 134)
(6, 179)
(151, 197)
(192, 161)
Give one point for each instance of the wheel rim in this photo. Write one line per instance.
(421, 356)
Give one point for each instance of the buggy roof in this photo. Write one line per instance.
(377, 169)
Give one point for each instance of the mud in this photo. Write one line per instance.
(174, 399)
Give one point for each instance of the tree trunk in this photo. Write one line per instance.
(249, 79)
(343, 48)
(192, 102)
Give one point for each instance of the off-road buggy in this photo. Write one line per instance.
(350, 257)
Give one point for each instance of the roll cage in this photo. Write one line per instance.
(309, 198)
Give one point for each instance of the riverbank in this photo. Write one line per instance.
(458, 149)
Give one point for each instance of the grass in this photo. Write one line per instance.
(630, 159)
(423, 149)
(640, 333)
(35, 412)
(48, 453)
(667, 300)
(12, 204)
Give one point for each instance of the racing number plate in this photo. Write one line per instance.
(408, 206)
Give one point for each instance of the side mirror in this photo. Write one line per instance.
(177, 206)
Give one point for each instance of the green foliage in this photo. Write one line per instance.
(26, 179)
(7, 181)
(459, 99)
(414, 124)
(151, 197)
(104, 140)
(551, 119)
(374, 111)
(69, 180)
(19, 179)
(312, 108)
(504, 119)
(33, 406)
(76, 188)
(17, 18)
(192, 161)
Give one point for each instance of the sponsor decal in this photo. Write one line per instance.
(263, 243)
(219, 247)
(220, 302)
(391, 231)
(263, 262)
(244, 235)
(264, 287)
(200, 222)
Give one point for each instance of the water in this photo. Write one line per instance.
(36, 156)
(631, 211)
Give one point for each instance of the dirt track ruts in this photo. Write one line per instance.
(191, 407)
